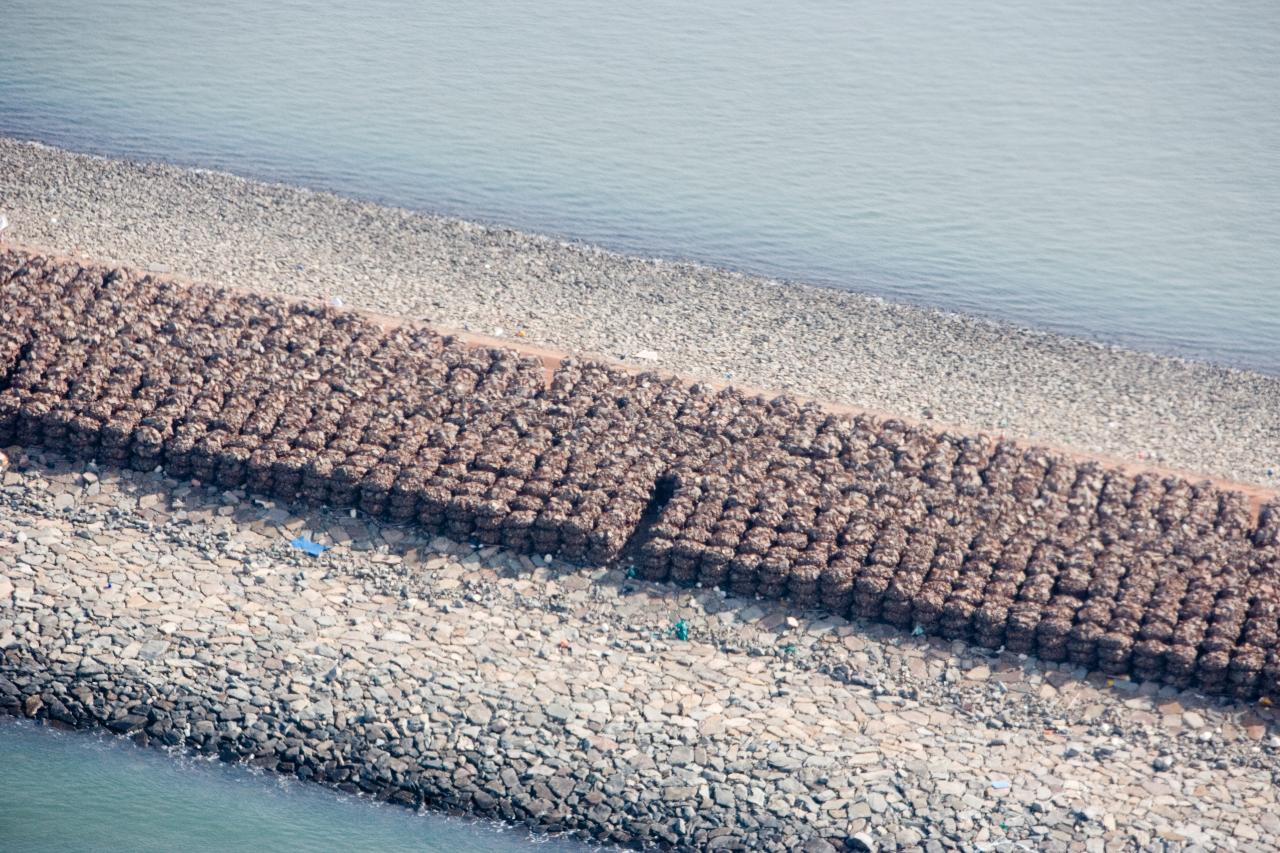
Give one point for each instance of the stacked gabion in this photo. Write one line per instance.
(299, 401)
(960, 536)
(982, 541)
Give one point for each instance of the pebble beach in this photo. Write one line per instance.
(448, 675)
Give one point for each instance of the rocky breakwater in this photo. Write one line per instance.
(475, 679)
(956, 535)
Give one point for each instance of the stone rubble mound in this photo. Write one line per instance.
(962, 536)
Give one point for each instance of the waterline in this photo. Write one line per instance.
(81, 791)
(1097, 170)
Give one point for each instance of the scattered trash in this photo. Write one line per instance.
(645, 354)
(315, 549)
(917, 631)
(631, 571)
(999, 784)
(520, 334)
(336, 302)
(565, 648)
(498, 331)
(680, 630)
(108, 586)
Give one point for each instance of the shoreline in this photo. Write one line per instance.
(430, 672)
(210, 805)
(692, 265)
(814, 342)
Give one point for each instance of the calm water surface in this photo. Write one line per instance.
(1100, 168)
(74, 791)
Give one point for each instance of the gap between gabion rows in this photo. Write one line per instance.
(957, 535)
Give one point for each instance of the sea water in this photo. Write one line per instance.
(1104, 169)
(75, 791)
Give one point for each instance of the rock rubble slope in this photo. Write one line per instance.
(471, 678)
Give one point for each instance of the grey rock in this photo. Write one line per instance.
(558, 712)
(862, 842)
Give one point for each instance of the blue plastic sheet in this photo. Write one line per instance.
(315, 549)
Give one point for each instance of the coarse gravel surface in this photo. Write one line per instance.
(575, 700)
(703, 322)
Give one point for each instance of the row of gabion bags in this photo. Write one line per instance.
(1156, 578)
(961, 536)
(306, 402)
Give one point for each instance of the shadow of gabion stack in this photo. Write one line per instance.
(955, 535)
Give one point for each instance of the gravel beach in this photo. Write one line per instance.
(694, 320)
(434, 673)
